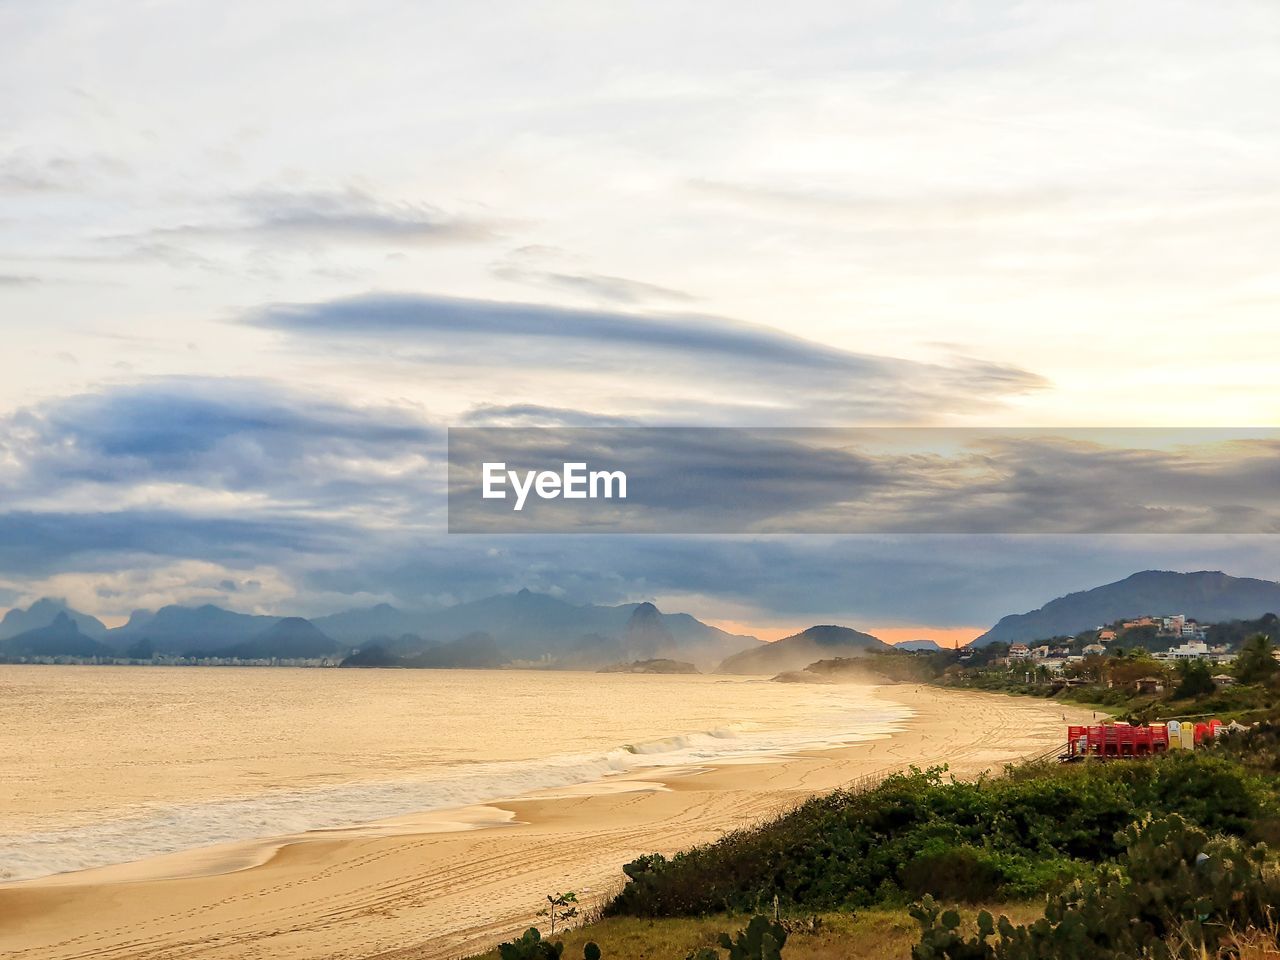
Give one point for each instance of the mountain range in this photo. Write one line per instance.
(528, 628)
(520, 627)
(1208, 596)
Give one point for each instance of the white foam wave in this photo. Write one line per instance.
(159, 830)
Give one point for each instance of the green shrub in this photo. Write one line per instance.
(1030, 833)
(531, 946)
(1177, 893)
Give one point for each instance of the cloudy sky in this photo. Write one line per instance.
(255, 258)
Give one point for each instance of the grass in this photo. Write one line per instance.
(874, 933)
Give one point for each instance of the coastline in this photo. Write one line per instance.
(448, 883)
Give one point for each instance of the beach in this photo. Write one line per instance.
(447, 883)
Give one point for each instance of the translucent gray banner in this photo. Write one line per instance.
(863, 480)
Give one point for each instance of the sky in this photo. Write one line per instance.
(256, 258)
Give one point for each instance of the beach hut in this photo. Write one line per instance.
(1188, 734)
(1159, 738)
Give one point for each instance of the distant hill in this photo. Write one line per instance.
(493, 631)
(797, 651)
(291, 638)
(62, 637)
(42, 613)
(476, 651)
(357, 626)
(1207, 596)
(914, 646)
(650, 666)
(179, 630)
(529, 625)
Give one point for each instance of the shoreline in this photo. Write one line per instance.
(451, 882)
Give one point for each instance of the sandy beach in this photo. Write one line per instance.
(450, 883)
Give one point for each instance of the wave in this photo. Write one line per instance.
(158, 830)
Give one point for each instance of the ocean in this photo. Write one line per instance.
(103, 765)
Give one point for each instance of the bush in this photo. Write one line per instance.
(1178, 893)
(1030, 833)
(531, 946)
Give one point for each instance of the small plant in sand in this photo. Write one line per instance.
(561, 908)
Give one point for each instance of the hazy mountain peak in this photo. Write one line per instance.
(801, 649)
(42, 613)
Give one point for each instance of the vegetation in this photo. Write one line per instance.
(1256, 662)
(560, 908)
(1194, 680)
(1177, 894)
(1164, 858)
(1014, 837)
(1135, 686)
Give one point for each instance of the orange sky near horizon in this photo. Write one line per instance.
(943, 636)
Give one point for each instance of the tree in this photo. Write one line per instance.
(1256, 662)
(1196, 680)
(1124, 673)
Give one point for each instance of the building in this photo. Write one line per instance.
(1040, 653)
(1140, 622)
(1149, 685)
(1019, 651)
(1196, 650)
(1091, 648)
(1224, 680)
(1106, 636)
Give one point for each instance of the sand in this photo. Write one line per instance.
(448, 884)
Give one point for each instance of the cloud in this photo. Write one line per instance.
(596, 286)
(322, 218)
(697, 362)
(535, 415)
(25, 173)
(971, 481)
(216, 444)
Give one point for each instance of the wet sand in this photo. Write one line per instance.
(450, 883)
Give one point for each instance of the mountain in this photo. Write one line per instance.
(42, 613)
(797, 651)
(357, 626)
(915, 646)
(62, 637)
(476, 651)
(291, 638)
(529, 626)
(522, 626)
(646, 634)
(1208, 596)
(178, 630)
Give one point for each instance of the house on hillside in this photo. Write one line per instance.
(1019, 651)
(1091, 648)
(1148, 685)
(1224, 680)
